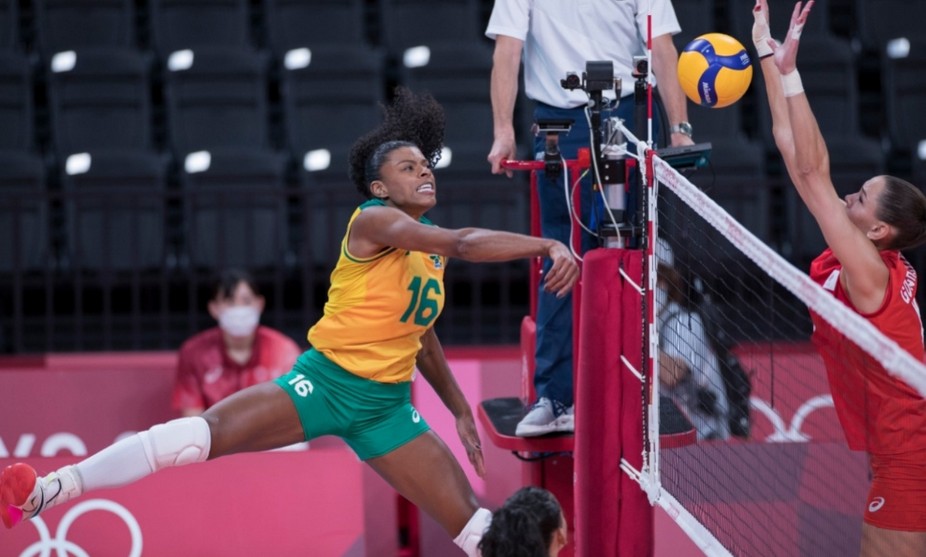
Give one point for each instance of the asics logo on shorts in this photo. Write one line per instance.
(876, 504)
(415, 416)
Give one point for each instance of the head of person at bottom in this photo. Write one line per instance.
(394, 162)
(529, 524)
(236, 305)
(891, 212)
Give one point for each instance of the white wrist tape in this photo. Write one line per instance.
(791, 84)
(760, 34)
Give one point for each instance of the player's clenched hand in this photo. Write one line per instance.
(564, 273)
(466, 428)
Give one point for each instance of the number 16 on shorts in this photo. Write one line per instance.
(302, 385)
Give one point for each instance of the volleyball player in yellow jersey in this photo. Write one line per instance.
(386, 291)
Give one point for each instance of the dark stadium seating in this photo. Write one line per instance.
(880, 21)
(310, 23)
(829, 76)
(334, 99)
(78, 24)
(458, 76)
(408, 23)
(182, 24)
(23, 212)
(9, 25)
(23, 207)
(243, 89)
(220, 100)
(235, 210)
(115, 210)
(905, 99)
(99, 100)
(17, 130)
(695, 17)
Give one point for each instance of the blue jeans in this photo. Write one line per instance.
(553, 375)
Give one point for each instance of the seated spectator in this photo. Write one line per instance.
(236, 354)
(529, 524)
(689, 372)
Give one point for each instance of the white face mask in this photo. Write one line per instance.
(239, 321)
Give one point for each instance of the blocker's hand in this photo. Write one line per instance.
(564, 273)
(466, 428)
(786, 54)
(760, 30)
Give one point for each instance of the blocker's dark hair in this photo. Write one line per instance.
(903, 206)
(412, 120)
(523, 526)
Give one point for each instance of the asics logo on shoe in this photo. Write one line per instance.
(37, 507)
(33, 506)
(876, 504)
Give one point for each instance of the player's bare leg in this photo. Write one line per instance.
(426, 473)
(259, 418)
(881, 542)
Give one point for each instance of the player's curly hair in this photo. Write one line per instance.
(412, 120)
(523, 526)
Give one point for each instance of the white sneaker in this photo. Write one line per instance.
(23, 494)
(566, 422)
(542, 419)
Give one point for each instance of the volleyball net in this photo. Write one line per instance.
(731, 349)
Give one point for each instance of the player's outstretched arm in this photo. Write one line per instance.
(811, 158)
(864, 272)
(781, 121)
(434, 368)
(380, 227)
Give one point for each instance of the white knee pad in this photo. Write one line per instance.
(176, 443)
(468, 540)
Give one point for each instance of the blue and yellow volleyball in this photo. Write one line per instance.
(714, 70)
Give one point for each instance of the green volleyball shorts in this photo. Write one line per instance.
(373, 418)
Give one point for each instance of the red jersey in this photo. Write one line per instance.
(878, 412)
(206, 375)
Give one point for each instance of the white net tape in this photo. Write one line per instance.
(791, 486)
(895, 359)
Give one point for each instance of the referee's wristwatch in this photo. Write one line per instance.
(682, 128)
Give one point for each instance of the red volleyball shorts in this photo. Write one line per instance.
(897, 500)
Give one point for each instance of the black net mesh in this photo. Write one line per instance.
(772, 473)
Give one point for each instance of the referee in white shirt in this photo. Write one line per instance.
(559, 36)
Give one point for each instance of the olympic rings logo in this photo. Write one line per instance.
(60, 543)
(792, 433)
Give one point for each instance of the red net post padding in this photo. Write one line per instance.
(635, 518)
(598, 406)
(613, 515)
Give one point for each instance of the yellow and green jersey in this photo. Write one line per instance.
(378, 308)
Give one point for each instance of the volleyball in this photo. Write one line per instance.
(714, 70)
